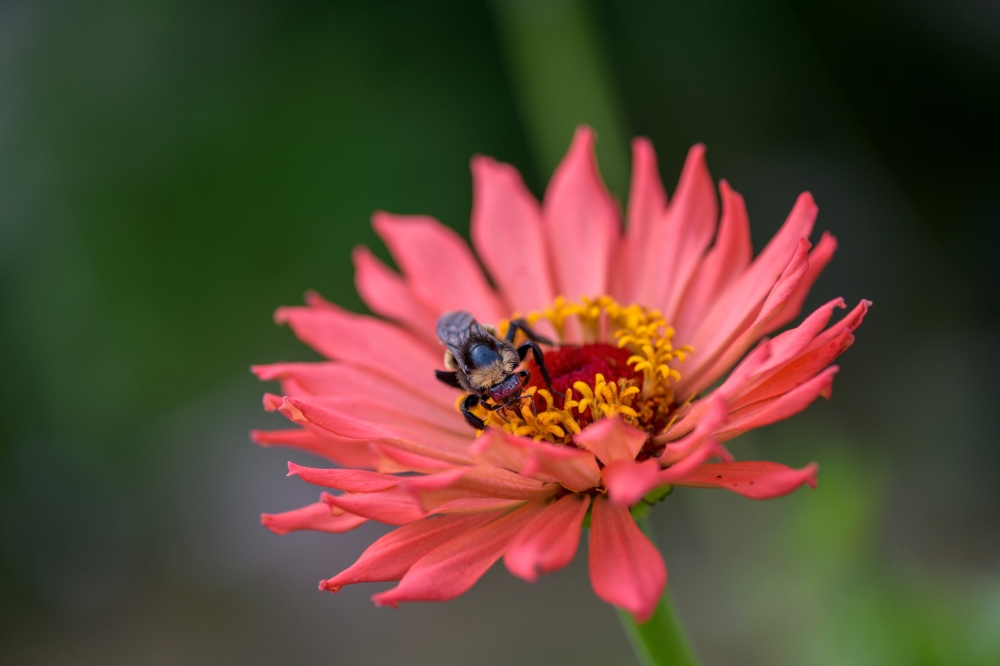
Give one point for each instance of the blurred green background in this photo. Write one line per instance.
(170, 173)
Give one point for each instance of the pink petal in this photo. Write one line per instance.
(627, 480)
(477, 505)
(454, 567)
(485, 481)
(611, 439)
(818, 259)
(712, 415)
(368, 343)
(756, 480)
(777, 409)
(508, 236)
(677, 244)
(548, 542)
(738, 307)
(340, 450)
(724, 263)
(411, 436)
(390, 459)
(581, 222)
(390, 506)
(348, 480)
(342, 381)
(438, 265)
(317, 517)
(387, 294)
(575, 469)
(647, 202)
(626, 570)
(392, 555)
(715, 362)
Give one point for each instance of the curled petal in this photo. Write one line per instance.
(455, 566)
(626, 570)
(611, 439)
(756, 480)
(318, 517)
(392, 555)
(575, 469)
(390, 459)
(548, 542)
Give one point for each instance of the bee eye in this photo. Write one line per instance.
(483, 355)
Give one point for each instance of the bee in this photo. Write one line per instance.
(485, 365)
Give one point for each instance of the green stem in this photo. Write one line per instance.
(661, 641)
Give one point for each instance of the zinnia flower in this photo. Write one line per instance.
(647, 321)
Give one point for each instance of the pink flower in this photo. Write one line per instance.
(649, 320)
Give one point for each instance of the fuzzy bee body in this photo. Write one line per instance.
(485, 365)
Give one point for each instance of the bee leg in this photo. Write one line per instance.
(449, 378)
(471, 401)
(536, 351)
(520, 324)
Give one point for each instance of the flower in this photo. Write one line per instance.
(649, 320)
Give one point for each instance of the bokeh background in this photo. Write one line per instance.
(171, 172)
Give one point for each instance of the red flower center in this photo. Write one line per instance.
(569, 364)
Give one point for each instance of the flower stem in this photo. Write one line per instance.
(661, 641)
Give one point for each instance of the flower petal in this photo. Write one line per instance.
(317, 517)
(548, 542)
(348, 480)
(611, 439)
(340, 450)
(386, 293)
(344, 381)
(676, 245)
(411, 436)
(433, 490)
(724, 263)
(819, 257)
(439, 267)
(712, 363)
(454, 567)
(390, 459)
(754, 479)
(626, 570)
(627, 480)
(392, 555)
(777, 409)
(390, 506)
(508, 235)
(575, 469)
(368, 343)
(738, 308)
(647, 202)
(581, 221)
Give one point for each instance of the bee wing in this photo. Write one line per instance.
(453, 328)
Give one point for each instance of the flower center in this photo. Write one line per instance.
(624, 367)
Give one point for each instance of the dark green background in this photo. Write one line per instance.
(170, 173)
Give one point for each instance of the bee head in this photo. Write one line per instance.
(489, 364)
